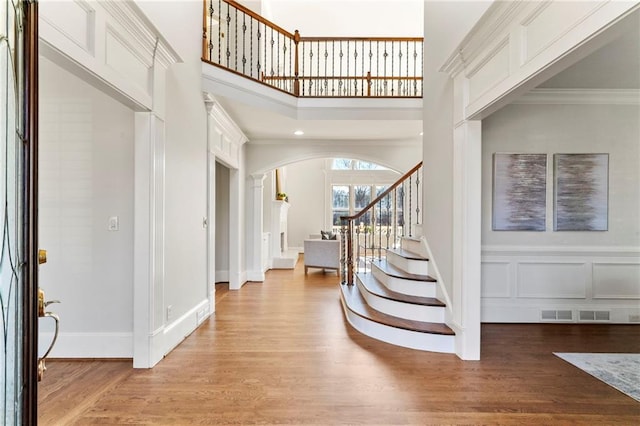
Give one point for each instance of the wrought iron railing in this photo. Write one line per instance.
(243, 42)
(381, 225)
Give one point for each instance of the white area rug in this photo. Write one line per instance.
(622, 371)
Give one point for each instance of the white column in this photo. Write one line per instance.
(467, 161)
(255, 212)
(148, 270)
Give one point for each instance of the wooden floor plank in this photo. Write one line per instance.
(281, 352)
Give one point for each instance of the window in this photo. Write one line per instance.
(340, 203)
(348, 164)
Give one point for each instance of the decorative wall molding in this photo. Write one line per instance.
(111, 44)
(518, 283)
(580, 97)
(224, 136)
(515, 46)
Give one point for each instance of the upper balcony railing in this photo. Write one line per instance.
(243, 42)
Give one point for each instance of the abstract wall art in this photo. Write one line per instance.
(519, 192)
(581, 192)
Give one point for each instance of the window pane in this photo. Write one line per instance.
(336, 216)
(362, 196)
(365, 165)
(340, 197)
(341, 164)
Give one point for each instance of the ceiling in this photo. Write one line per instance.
(262, 124)
(614, 66)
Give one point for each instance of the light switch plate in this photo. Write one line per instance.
(114, 223)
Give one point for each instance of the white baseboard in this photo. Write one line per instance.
(166, 338)
(88, 345)
(255, 276)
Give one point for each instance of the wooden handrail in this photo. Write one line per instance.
(384, 194)
(258, 17)
(291, 55)
(354, 77)
(420, 39)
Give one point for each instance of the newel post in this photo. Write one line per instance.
(296, 81)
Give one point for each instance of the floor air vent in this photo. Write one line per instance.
(595, 315)
(556, 315)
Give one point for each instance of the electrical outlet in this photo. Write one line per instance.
(169, 312)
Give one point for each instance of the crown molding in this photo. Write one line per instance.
(580, 97)
(131, 18)
(491, 25)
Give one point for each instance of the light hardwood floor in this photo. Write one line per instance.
(280, 352)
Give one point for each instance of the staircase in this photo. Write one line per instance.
(391, 295)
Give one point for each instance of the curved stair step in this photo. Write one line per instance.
(409, 255)
(376, 287)
(434, 337)
(416, 308)
(396, 272)
(408, 261)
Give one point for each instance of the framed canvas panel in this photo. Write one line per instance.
(581, 192)
(519, 192)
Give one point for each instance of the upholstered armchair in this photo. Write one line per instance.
(323, 254)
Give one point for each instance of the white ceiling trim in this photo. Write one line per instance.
(339, 142)
(581, 97)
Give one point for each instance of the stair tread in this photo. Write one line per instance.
(392, 271)
(374, 286)
(407, 254)
(356, 304)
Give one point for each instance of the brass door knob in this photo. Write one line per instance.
(42, 257)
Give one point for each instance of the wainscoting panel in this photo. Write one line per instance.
(496, 278)
(526, 284)
(551, 280)
(616, 280)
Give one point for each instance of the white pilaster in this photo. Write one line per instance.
(255, 212)
(467, 161)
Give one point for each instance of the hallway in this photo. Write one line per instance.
(281, 352)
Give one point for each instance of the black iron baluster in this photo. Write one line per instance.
(244, 42)
(418, 196)
(228, 53)
(235, 29)
(415, 62)
(421, 66)
(395, 217)
(258, 67)
(362, 71)
(333, 67)
(278, 66)
(220, 32)
(358, 259)
(377, 66)
(210, 32)
(348, 86)
(392, 70)
(379, 219)
(290, 63)
(251, 46)
(271, 43)
(388, 202)
(366, 246)
(326, 64)
(410, 200)
(406, 87)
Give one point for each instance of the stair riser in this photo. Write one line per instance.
(398, 337)
(420, 267)
(412, 245)
(402, 309)
(404, 286)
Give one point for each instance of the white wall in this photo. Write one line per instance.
(306, 189)
(367, 18)
(185, 287)
(445, 24)
(86, 176)
(222, 224)
(573, 270)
